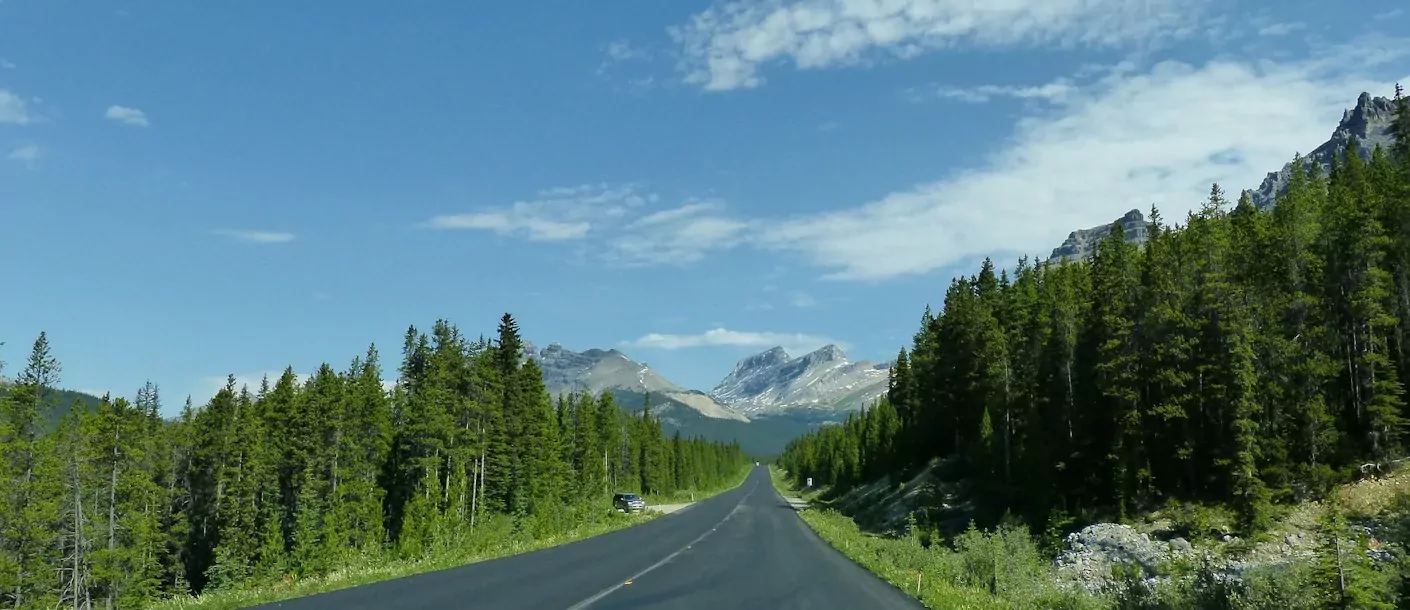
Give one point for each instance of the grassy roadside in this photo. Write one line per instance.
(494, 540)
(696, 495)
(999, 570)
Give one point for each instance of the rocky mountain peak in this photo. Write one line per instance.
(768, 359)
(596, 371)
(826, 353)
(1081, 243)
(822, 379)
(1368, 123)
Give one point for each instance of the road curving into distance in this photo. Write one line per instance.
(745, 548)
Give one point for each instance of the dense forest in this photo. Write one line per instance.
(1246, 359)
(119, 506)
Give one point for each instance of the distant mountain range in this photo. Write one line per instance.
(595, 371)
(824, 380)
(1368, 122)
(765, 401)
(767, 383)
(62, 402)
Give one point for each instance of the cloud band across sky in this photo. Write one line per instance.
(795, 343)
(1107, 140)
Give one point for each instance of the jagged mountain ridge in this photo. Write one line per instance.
(772, 382)
(1081, 243)
(595, 371)
(1368, 122)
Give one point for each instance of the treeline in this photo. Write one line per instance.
(1246, 358)
(120, 506)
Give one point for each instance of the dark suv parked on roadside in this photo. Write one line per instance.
(628, 503)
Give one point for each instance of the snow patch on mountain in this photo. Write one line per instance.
(773, 381)
(595, 371)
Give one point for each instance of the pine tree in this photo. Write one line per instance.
(26, 510)
(1114, 374)
(1369, 388)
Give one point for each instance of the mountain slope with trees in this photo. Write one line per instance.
(118, 507)
(1247, 359)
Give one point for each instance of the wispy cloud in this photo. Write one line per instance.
(1390, 14)
(27, 155)
(127, 116)
(721, 337)
(1281, 29)
(559, 214)
(13, 109)
(679, 235)
(802, 300)
(828, 126)
(257, 237)
(6, 64)
(1125, 141)
(622, 51)
(1055, 91)
(726, 46)
(1108, 139)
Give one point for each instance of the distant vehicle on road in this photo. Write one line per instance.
(628, 503)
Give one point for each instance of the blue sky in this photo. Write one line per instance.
(189, 190)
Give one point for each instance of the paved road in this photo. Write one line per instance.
(745, 548)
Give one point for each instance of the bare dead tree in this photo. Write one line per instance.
(74, 545)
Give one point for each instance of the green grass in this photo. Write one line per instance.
(368, 569)
(494, 539)
(696, 495)
(983, 570)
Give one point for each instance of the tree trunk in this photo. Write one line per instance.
(112, 522)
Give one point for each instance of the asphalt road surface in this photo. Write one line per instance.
(745, 548)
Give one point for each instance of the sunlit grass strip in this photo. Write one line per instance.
(931, 574)
(374, 568)
(899, 562)
(685, 495)
(368, 569)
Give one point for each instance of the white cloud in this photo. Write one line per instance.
(803, 300)
(1116, 138)
(1281, 29)
(692, 208)
(127, 116)
(1056, 91)
(725, 46)
(27, 154)
(719, 337)
(559, 214)
(680, 235)
(617, 217)
(13, 109)
(6, 64)
(827, 126)
(1390, 14)
(622, 51)
(257, 237)
(1126, 141)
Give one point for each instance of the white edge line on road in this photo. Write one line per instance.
(612, 589)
